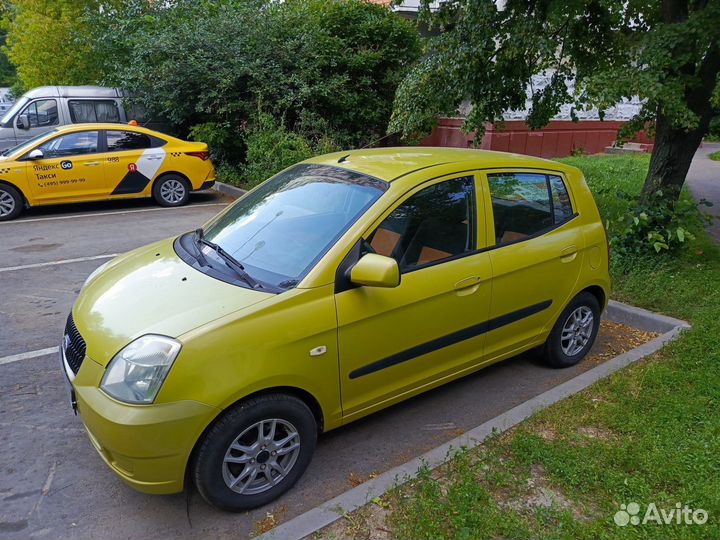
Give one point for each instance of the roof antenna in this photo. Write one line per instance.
(343, 159)
(372, 143)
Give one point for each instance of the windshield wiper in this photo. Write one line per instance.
(229, 260)
(197, 236)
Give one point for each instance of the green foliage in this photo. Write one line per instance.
(46, 40)
(655, 227)
(610, 50)
(715, 156)
(714, 129)
(271, 147)
(592, 54)
(635, 228)
(230, 174)
(8, 76)
(226, 140)
(322, 69)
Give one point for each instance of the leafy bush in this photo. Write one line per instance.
(230, 174)
(634, 229)
(655, 227)
(226, 140)
(321, 68)
(271, 147)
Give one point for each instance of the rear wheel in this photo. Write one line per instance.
(255, 452)
(11, 202)
(171, 190)
(574, 333)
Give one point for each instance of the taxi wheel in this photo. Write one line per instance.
(171, 190)
(255, 452)
(11, 202)
(574, 333)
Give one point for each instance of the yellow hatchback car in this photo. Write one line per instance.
(339, 287)
(92, 162)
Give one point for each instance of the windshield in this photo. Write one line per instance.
(279, 231)
(27, 144)
(19, 104)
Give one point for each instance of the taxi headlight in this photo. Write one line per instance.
(137, 372)
(93, 274)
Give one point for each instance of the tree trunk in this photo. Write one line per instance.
(675, 147)
(671, 158)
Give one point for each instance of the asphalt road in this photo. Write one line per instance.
(52, 483)
(703, 179)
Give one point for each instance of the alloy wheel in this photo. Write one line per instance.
(577, 331)
(261, 456)
(172, 191)
(7, 203)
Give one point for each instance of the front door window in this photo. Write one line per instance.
(42, 113)
(435, 224)
(73, 144)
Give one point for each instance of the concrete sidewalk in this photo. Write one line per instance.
(703, 179)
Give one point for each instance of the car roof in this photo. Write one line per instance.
(108, 125)
(392, 163)
(74, 91)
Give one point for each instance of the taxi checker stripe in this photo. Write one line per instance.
(450, 339)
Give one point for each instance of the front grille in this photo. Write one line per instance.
(73, 345)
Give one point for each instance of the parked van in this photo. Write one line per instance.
(48, 107)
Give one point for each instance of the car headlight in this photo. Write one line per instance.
(93, 274)
(137, 372)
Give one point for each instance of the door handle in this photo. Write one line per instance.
(568, 254)
(468, 285)
(93, 164)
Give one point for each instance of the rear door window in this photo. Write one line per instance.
(83, 111)
(526, 204)
(128, 140)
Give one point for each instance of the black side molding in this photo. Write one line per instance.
(450, 339)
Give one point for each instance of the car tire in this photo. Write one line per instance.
(232, 452)
(171, 190)
(574, 333)
(11, 202)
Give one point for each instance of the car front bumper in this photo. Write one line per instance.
(147, 446)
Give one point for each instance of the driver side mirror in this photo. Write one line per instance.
(36, 154)
(23, 122)
(375, 270)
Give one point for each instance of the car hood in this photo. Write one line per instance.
(151, 291)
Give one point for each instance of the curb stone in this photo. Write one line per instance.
(229, 190)
(330, 511)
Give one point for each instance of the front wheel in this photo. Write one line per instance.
(255, 452)
(11, 202)
(574, 333)
(171, 190)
